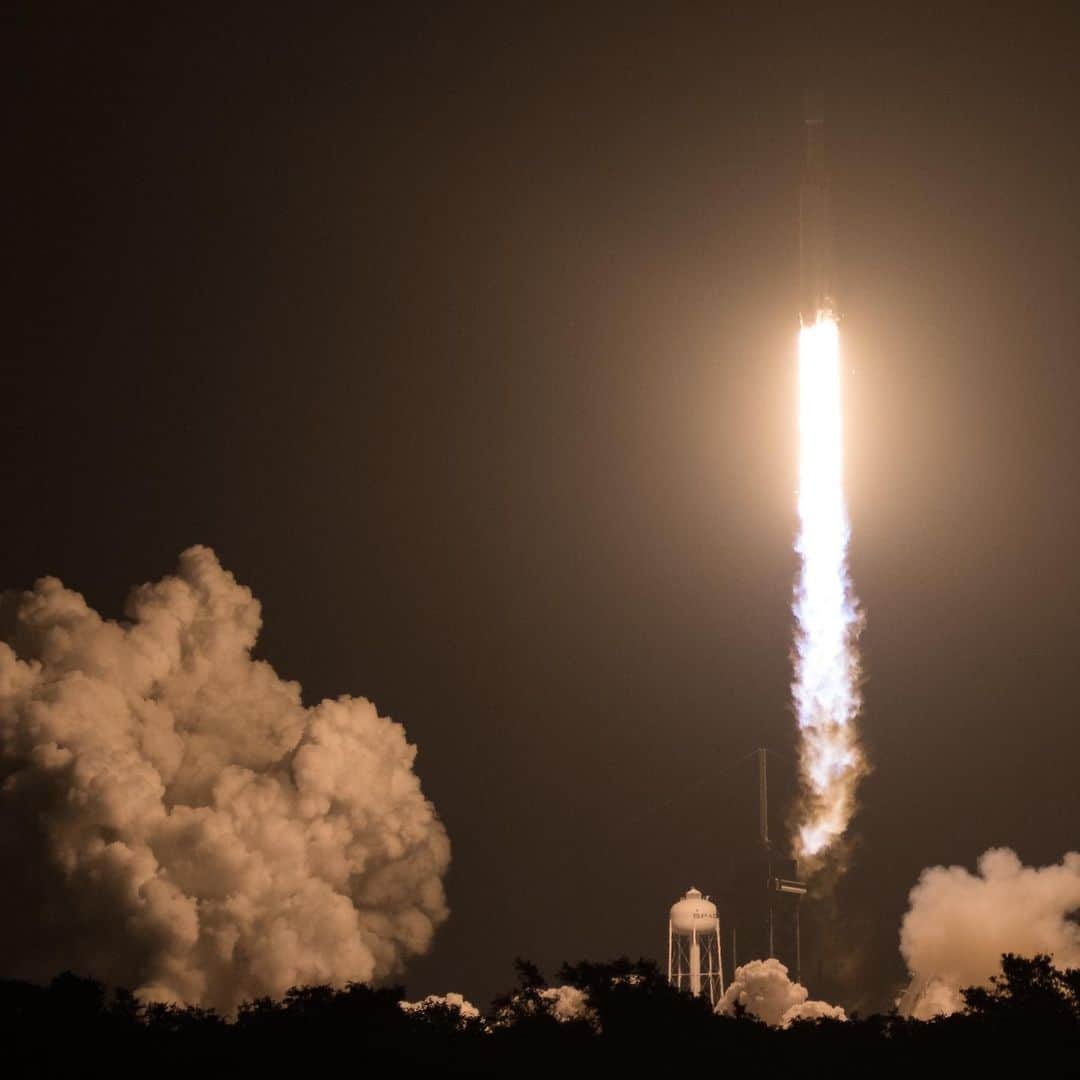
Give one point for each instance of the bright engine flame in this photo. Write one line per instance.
(826, 663)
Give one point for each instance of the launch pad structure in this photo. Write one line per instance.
(695, 953)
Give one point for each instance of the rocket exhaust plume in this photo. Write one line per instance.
(825, 690)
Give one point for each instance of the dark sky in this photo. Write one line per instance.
(465, 335)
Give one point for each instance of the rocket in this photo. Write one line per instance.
(815, 228)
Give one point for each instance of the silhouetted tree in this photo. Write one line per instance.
(1030, 988)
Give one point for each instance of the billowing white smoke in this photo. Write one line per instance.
(764, 990)
(958, 925)
(173, 819)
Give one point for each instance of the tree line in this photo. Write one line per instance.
(1028, 1017)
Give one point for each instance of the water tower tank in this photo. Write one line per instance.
(693, 912)
(694, 959)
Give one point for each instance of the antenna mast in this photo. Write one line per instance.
(763, 826)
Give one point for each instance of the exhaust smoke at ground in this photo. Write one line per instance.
(959, 924)
(764, 989)
(177, 822)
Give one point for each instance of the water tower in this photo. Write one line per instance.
(694, 947)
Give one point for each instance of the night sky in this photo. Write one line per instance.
(465, 335)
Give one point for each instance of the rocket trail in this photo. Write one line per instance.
(825, 690)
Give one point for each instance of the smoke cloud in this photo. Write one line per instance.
(561, 1003)
(174, 820)
(567, 1003)
(455, 1003)
(764, 990)
(959, 924)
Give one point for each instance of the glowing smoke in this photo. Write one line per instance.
(561, 1003)
(764, 990)
(176, 821)
(466, 1012)
(826, 663)
(959, 924)
(567, 1003)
